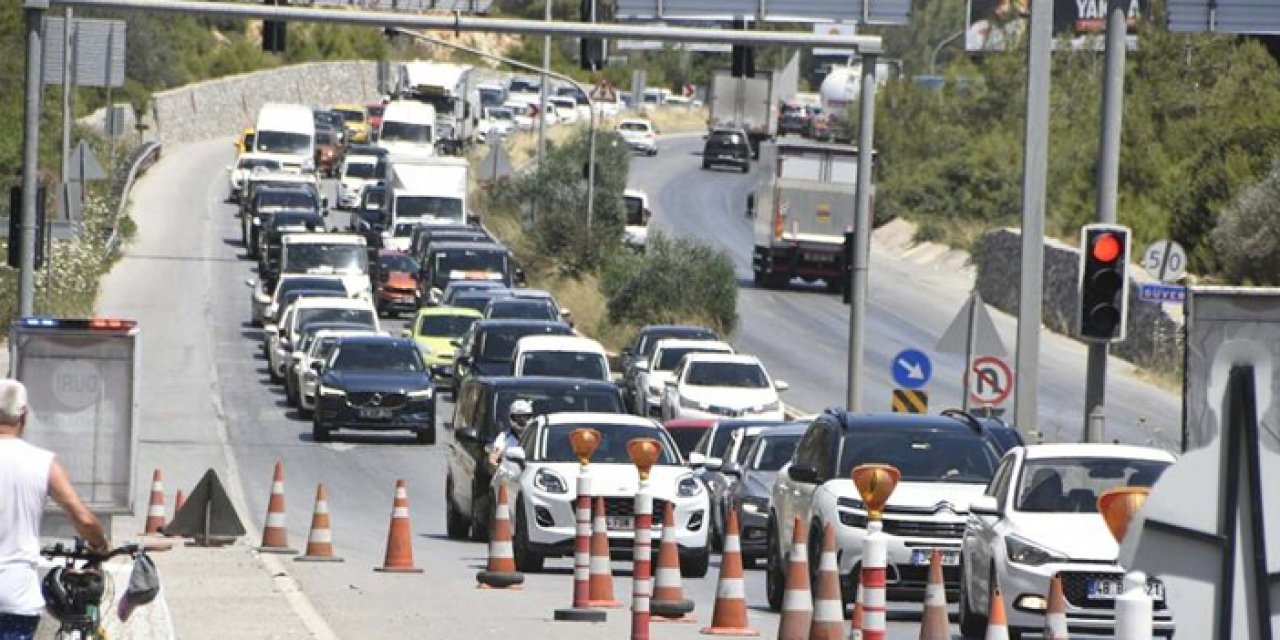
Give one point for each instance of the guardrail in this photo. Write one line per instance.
(139, 161)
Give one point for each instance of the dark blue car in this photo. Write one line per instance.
(375, 383)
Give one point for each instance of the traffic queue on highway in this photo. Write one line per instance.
(740, 471)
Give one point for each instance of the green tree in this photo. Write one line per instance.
(1246, 241)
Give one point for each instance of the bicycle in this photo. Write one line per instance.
(74, 594)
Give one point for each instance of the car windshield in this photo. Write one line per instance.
(499, 344)
(361, 170)
(724, 139)
(459, 287)
(522, 310)
(393, 131)
(686, 438)
(490, 97)
(351, 115)
(564, 364)
(254, 163)
(310, 284)
(569, 400)
(374, 198)
(446, 326)
(397, 262)
(650, 341)
(613, 443)
(285, 142)
(361, 317)
(922, 455)
(473, 302)
(523, 86)
(635, 211)
(286, 199)
(1072, 485)
(297, 219)
(771, 452)
(327, 118)
(501, 114)
(470, 260)
(744, 375)
(439, 207)
(642, 127)
(668, 358)
(289, 298)
(377, 356)
(338, 258)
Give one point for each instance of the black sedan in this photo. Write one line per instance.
(375, 383)
(749, 496)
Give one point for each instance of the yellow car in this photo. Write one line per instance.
(244, 143)
(434, 329)
(356, 121)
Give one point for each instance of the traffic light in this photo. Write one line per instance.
(591, 51)
(273, 31)
(1104, 282)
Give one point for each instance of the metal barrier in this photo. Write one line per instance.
(139, 161)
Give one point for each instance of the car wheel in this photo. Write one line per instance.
(271, 373)
(527, 560)
(481, 510)
(774, 580)
(426, 435)
(319, 431)
(455, 524)
(706, 166)
(972, 625)
(694, 563)
(290, 392)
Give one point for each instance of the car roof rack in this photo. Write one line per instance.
(965, 417)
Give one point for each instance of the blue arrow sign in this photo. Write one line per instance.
(911, 369)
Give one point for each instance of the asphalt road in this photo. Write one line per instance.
(802, 334)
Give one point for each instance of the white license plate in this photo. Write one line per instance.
(620, 523)
(1109, 589)
(819, 257)
(375, 414)
(921, 557)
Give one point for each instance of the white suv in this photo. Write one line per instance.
(652, 375)
(1039, 517)
(721, 385)
(543, 489)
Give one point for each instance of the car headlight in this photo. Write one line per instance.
(332, 392)
(853, 512)
(421, 394)
(688, 486)
(550, 481)
(255, 221)
(1024, 551)
(689, 403)
(754, 504)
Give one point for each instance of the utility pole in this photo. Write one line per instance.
(1035, 169)
(861, 234)
(542, 102)
(33, 11)
(68, 23)
(1095, 390)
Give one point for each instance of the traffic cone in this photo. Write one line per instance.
(1055, 617)
(729, 617)
(828, 605)
(275, 538)
(934, 623)
(997, 624)
(320, 540)
(668, 602)
(155, 511)
(601, 585)
(501, 571)
(855, 628)
(399, 557)
(797, 599)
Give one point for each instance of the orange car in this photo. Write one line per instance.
(395, 283)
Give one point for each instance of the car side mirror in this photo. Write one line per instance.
(732, 469)
(697, 460)
(803, 472)
(647, 214)
(985, 506)
(781, 385)
(565, 313)
(520, 277)
(468, 434)
(385, 276)
(514, 454)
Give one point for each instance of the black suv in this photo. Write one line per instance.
(374, 383)
(266, 201)
(447, 261)
(727, 146)
(489, 345)
(480, 413)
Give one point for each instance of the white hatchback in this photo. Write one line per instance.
(1039, 517)
(640, 135)
(721, 385)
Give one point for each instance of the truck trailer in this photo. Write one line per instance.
(752, 103)
(450, 90)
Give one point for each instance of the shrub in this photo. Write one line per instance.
(1247, 238)
(675, 280)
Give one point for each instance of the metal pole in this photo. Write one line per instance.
(1095, 389)
(67, 21)
(933, 59)
(861, 234)
(542, 103)
(1035, 167)
(970, 343)
(30, 156)
(591, 169)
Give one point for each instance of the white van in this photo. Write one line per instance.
(561, 357)
(408, 128)
(287, 133)
(341, 254)
(635, 204)
(426, 190)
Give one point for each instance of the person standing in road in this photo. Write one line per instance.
(29, 476)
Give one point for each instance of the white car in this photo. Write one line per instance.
(315, 347)
(652, 375)
(560, 357)
(266, 305)
(636, 206)
(357, 172)
(639, 135)
(282, 337)
(520, 114)
(543, 486)
(498, 123)
(721, 385)
(566, 108)
(245, 165)
(1039, 517)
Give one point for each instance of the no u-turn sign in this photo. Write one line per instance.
(990, 381)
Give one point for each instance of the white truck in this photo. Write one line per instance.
(408, 127)
(449, 89)
(425, 191)
(838, 100)
(752, 103)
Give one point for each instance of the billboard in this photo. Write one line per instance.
(999, 25)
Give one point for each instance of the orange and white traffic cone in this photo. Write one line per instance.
(797, 599)
(1055, 617)
(855, 628)
(501, 571)
(320, 540)
(828, 605)
(729, 617)
(601, 584)
(997, 623)
(934, 623)
(155, 510)
(399, 557)
(669, 603)
(275, 536)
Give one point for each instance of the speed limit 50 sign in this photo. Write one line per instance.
(1165, 260)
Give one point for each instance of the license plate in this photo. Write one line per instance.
(376, 413)
(819, 257)
(725, 157)
(921, 557)
(1109, 589)
(619, 523)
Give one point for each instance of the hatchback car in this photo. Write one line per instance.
(727, 147)
(640, 135)
(395, 285)
(435, 329)
(374, 383)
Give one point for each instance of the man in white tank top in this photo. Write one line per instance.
(29, 476)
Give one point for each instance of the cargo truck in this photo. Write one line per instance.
(752, 103)
(447, 87)
(803, 207)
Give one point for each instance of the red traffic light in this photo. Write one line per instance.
(1106, 247)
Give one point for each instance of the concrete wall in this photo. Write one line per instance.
(224, 107)
(1154, 334)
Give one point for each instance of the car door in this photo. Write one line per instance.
(818, 451)
(274, 337)
(789, 495)
(981, 533)
(463, 453)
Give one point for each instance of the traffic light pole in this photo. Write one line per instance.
(861, 234)
(34, 11)
(542, 102)
(1108, 186)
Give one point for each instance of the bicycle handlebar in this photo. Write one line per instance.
(81, 552)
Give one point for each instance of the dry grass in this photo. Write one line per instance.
(678, 119)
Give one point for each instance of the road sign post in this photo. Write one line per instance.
(971, 332)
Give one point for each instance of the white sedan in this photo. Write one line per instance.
(246, 164)
(721, 385)
(653, 375)
(1039, 517)
(542, 476)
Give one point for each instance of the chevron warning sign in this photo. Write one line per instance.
(910, 401)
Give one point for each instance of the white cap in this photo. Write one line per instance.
(13, 401)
